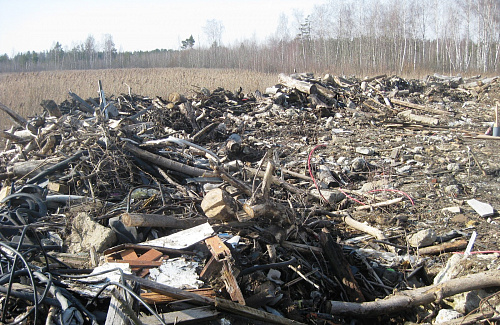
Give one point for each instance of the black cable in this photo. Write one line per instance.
(266, 267)
(133, 294)
(44, 295)
(9, 288)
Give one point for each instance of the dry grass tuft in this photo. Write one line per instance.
(23, 92)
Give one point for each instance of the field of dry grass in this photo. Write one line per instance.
(23, 92)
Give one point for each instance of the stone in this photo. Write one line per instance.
(422, 238)
(86, 233)
(358, 164)
(404, 169)
(380, 184)
(454, 167)
(483, 209)
(459, 218)
(365, 151)
(330, 196)
(454, 209)
(446, 315)
(453, 189)
(219, 205)
(466, 302)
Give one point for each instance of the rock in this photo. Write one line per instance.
(86, 233)
(404, 170)
(380, 184)
(358, 164)
(219, 205)
(422, 238)
(451, 209)
(365, 151)
(466, 302)
(330, 196)
(445, 315)
(454, 167)
(459, 218)
(483, 209)
(453, 189)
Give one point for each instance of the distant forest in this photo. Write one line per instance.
(342, 37)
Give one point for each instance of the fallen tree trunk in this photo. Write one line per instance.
(18, 118)
(302, 86)
(444, 247)
(419, 107)
(420, 296)
(166, 163)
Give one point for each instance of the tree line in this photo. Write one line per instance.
(342, 37)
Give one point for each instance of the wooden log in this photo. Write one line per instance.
(85, 107)
(444, 247)
(379, 204)
(278, 181)
(377, 233)
(13, 137)
(340, 266)
(166, 163)
(18, 118)
(159, 220)
(188, 110)
(316, 101)
(408, 115)
(233, 181)
(302, 86)
(419, 107)
(51, 108)
(266, 180)
(328, 93)
(61, 165)
(219, 205)
(23, 168)
(411, 298)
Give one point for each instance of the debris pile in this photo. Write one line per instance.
(321, 201)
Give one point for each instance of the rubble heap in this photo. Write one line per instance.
(322, 200)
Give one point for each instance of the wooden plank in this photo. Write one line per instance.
(232, 286)
(129, 254)
(137, 263)
(120, 308)
(151, 255)
(158, 298)
(218, 249)
(144, 248)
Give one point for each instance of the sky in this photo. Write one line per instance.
(137, 25)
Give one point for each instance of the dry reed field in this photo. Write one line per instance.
(23, 92)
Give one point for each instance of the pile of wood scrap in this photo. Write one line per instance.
(318, 200)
